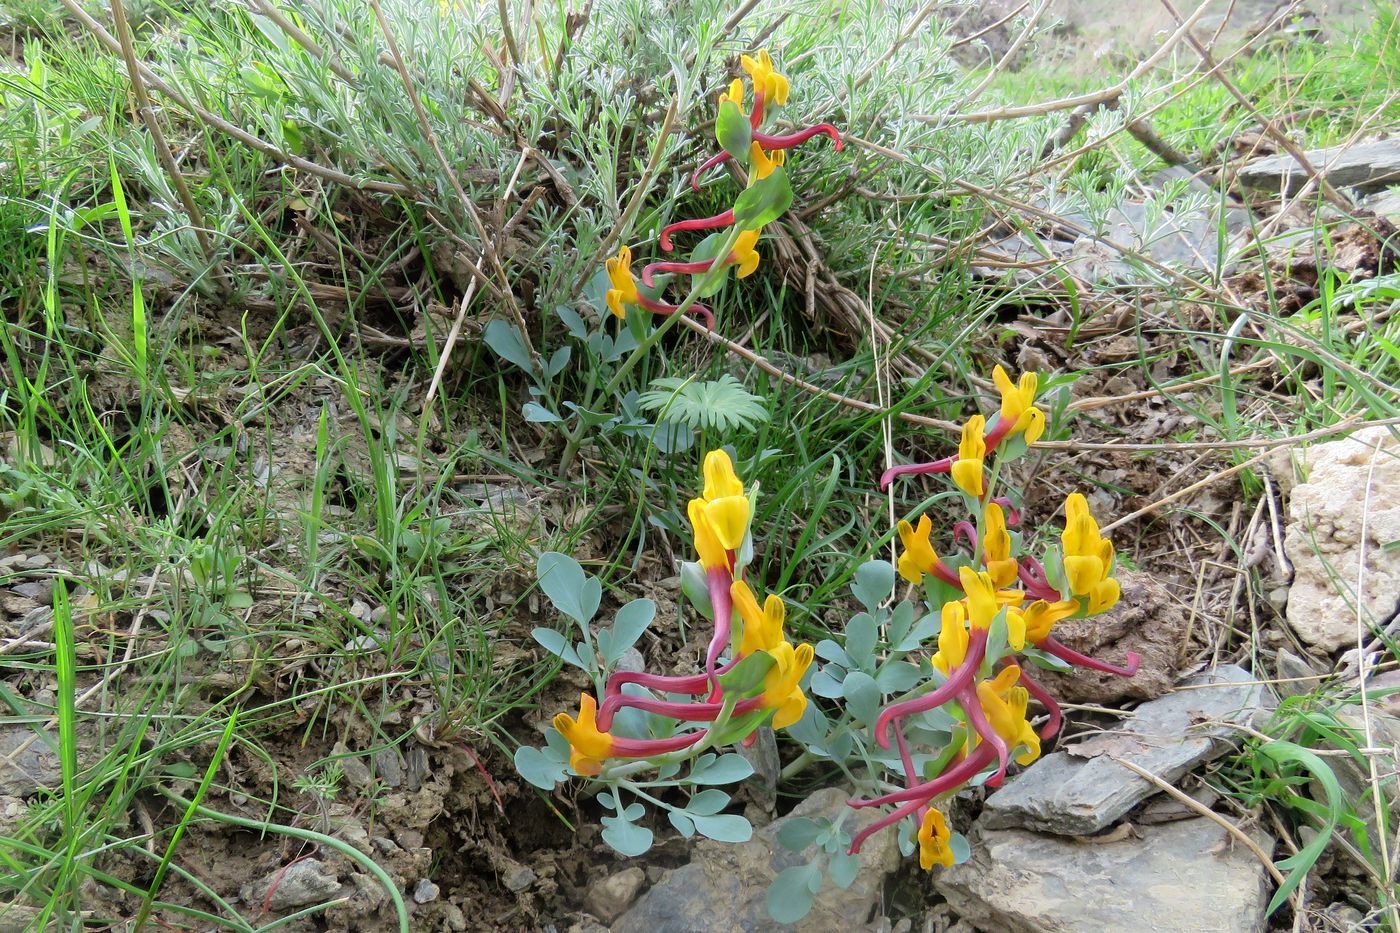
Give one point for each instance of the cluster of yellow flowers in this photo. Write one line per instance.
(741, 134)
(990, 695)
(720, 518)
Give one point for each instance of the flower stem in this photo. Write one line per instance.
(574, 438)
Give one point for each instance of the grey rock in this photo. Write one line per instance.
(389, 764)
(41, 591)
(417, 767)
(724, 887)
(27, 762)
(353, 767)
(1368, 166)
(1183, 877)
(298, 885)
(631, 661)
(762, 786)
(518, 877)
(1386, 204)
(1082, 789)
(1188, 239)
(425, 892)
(608, 898)
(1324, 539)
(19, 918)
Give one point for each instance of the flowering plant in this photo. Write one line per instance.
(655, 723)
(744, 139)
(930, 695)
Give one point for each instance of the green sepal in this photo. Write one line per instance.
(764, 201)
(934, 767)
(733, 131)
(706, 250)
(741, 727)
(746, 678)
(1012, 446)
(939, 592)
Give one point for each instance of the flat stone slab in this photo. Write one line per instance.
(724, 887)
(1189, 876)
(1368, 166)
(1081, 790)
(28, 763)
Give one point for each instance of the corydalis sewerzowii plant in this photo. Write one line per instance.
(743, 137)
(996, 608)
(655, 723)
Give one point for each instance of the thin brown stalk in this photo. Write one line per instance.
(1012, 51)
(503, 10)
(299, 36)
(228, 129)
(986, 29)
(634, 203)
(1192, 803)
(162, 148)
(1330, 193)
(487, 249)
(1069, 103)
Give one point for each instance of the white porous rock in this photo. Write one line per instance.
(1344, 485)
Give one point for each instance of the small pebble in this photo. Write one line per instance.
(425, 891)
(519, 878)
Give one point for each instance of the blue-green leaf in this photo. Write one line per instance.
(632, 620)
(873, 582)
(862, 696)
(708, 802)
(861, 633)
(539, 767)
(842, 869)
(897, 677)
(556, 644)
(725, 769)
(505, 341)
(572, 592)
(799, 832)
(573, 321)
(627, 838)
(682, 822)
(724, 827)
(535, 413)
(790, 896)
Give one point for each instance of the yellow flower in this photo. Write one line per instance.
(1040, 616)
(972, 449)
(781, 689)
(1088, 556)
(763, 628)
(1017, 404)
(981, 597)
(1005, 703)
(996, 548)
(933, 841)
(743, 254)
(721, 481)
(1104, 596)
(735, 94)
(588, 747)
(952, 638)
(772, 85)
(624, 285)
(918, 555)
(763, 163)
(725, 506)
(713, 554)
